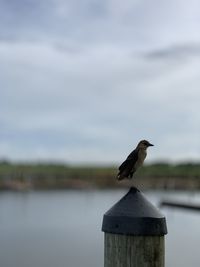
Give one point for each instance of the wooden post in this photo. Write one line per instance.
(134, 233)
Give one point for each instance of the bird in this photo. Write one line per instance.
(134, 160)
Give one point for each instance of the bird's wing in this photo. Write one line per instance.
(130, 161)
(133, 155)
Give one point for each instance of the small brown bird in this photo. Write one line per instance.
(133, 161)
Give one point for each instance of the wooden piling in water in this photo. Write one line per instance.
(134, 233)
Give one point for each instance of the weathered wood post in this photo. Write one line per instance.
(134, 233)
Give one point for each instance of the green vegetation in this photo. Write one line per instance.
(60, 176)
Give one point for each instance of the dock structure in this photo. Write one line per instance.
(134, 233)
(180, 205)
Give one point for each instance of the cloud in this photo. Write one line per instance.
(85, 82)
(133, 23)
(175, 53)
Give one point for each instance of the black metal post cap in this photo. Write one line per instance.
(134, 215)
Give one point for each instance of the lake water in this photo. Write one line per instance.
(63, 228)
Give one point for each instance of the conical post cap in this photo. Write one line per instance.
(134, 215)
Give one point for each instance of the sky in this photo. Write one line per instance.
(83, 81)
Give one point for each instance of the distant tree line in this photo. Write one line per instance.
(60, 176)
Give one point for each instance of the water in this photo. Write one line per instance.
(63, 228)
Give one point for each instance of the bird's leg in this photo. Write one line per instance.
(131, 175)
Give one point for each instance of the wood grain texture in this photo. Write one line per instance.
(133, 251)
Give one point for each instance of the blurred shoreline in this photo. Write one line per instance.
(36, 176)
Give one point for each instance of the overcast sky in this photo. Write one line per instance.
(84, 81)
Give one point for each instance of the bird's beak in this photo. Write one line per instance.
(150, 144)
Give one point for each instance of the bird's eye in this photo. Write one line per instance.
(145, 143)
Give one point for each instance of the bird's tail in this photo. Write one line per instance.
(123, 175)
(120, 176)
